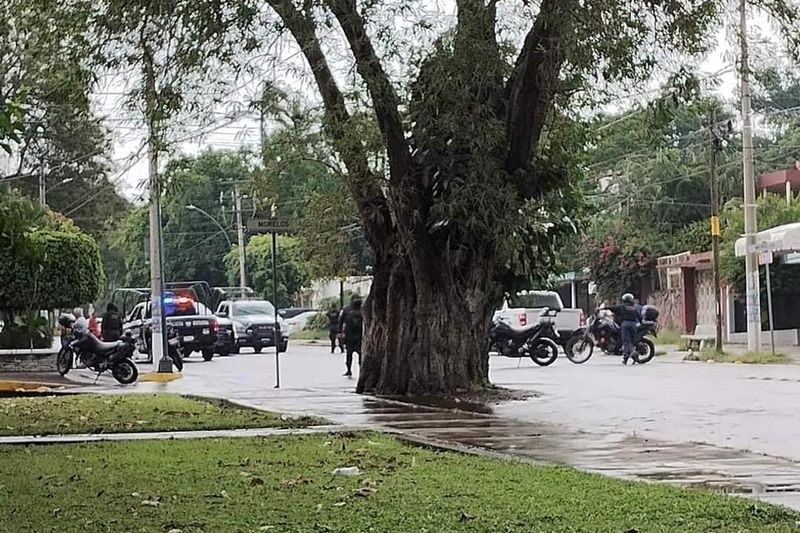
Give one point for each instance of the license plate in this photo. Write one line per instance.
(206, 331)
(188, 338)
(200, 323)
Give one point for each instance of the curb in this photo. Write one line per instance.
(32, 386)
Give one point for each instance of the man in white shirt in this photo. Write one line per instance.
(81, 325)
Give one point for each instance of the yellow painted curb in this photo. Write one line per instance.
(35, 386)
(160, 377)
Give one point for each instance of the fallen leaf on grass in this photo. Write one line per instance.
(56, 512)
(299, 480)
(175, 530)
(220, 494)
(152, 501)
(340, 504)
(256, 482)
(465, 517)
(632, 530)
(365, 492)
(266, 528)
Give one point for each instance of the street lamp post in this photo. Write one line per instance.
(212, 219)
(242, 275)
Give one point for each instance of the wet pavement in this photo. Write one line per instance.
(687, 424)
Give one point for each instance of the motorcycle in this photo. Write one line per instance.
(603, 331)
(535, 341)
(96, 355)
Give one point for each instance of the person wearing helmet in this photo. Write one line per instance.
(628, 316)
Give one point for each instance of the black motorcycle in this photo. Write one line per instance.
(604, 332)
(96, 355)
(535, 341)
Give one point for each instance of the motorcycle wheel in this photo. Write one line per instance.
(64, 360)
(544, 352)
(644, 351)
(125, 372)
(208, 354)
(579, 349)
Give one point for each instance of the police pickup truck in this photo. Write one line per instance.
(194, 324)
(249, 322)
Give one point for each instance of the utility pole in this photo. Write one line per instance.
(42, 186)
(242, 244)
(158, 341)
(715, 229)
(753, 297)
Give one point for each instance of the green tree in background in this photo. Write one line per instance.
(46, 262)
(292, 269)
(194, 246)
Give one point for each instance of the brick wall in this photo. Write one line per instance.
(41, 361)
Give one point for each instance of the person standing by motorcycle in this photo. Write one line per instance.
(112, 324)
(628, 317)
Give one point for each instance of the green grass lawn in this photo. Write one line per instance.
(761, 358)
(285, 484)
(310, 335)
(93, 413)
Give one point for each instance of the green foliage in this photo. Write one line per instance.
(194, 246)
(772, 211)
(29, 330)
(448, 491)
(301, 176)
(620, 260)
(46, 263)
(695, 237)
(12, 123)
(292, 272)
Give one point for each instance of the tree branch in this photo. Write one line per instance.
(363, 183)
(534, 80)
(384, 98)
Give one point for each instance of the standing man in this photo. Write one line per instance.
(112, 324)
(333, 329)
(351, 327)
(81, 325)
(627, 315)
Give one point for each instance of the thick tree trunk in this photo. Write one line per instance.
(426, 344)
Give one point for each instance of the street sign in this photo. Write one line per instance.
(269, 225)
(765, 258)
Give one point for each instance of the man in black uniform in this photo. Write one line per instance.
(628, 316)
(351, 327)
(333, 329)
(111, 329)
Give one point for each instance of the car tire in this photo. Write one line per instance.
(283, 348)
(208, 354)
(235, 350)
(258, 348)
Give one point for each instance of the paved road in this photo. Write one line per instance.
(745, 407)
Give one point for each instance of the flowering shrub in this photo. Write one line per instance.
(617, 264)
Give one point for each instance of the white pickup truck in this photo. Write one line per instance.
(523, 308)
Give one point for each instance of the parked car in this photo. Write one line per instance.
(298, 323)
(523, 309)
(194, 324)
(293, 312)
(250, 323)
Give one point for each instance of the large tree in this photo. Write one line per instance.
(473, 146)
